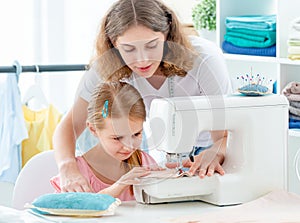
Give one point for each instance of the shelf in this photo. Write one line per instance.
(248, 58)
(289, 62)
(278, 68)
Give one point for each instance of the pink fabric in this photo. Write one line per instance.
(97, 184)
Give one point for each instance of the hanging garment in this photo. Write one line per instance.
(12, 128)
(40, 126)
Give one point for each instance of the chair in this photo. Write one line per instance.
(34, 179)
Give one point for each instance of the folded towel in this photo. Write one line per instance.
(294, 50)
(231, 48)
(293, 97)
(294, 120)
(294, 125)
(292, 87)
(294, 117)
(256, 22)
(294, 56)
(294, 32)
(296, 24)
(294, 111)
(250, 38)
(292, 42)
(295, 104)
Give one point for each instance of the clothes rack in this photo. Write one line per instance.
(44, 68)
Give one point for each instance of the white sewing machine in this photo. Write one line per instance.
(255, 162)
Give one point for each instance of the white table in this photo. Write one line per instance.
(271, 207)
(126, 212)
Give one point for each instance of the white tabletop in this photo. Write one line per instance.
(276, 206)
(126, 212)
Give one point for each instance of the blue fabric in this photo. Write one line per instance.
(198, 150)
(274, 88)
(85, 142)
(144, 145)
(267, 51)
(75, 201)
(256, 22)
(12, 128)
(294, 125)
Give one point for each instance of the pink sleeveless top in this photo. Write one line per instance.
(97, 184)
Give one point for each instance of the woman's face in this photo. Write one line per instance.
(121, 137)
(142, 49)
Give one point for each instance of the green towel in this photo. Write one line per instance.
(250, 38)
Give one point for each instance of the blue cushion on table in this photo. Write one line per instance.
(75, 203)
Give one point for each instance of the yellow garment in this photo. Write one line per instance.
(40, 126)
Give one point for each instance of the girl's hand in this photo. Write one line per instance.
(130, 178)
(125, 181)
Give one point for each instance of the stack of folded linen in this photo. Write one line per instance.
(250, 35)
(292, 92)
(294, 40)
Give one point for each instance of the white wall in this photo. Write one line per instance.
(183, 9)
(50, 32)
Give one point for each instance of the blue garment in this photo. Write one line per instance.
(85, 142)
(144, 145)
(12, 128)
(198, 149)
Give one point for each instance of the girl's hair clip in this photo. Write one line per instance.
(105, 109)
(169, 17)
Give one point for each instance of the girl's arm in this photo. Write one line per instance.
(64, 139)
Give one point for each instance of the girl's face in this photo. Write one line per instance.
(121, 137)
(142, 49)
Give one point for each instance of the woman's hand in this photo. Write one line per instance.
(210, 160)
(71, 180)
(207, 163)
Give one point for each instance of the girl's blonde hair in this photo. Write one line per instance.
(117, 100)
(178, 54)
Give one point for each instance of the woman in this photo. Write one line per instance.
(142, 43)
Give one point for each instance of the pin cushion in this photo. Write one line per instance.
(254, 85)
(254, 90)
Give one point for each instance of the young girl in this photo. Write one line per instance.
(116, 114)
(142, 43)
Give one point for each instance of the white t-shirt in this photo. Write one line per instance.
(209, 76)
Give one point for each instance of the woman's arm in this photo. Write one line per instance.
(64, 141)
